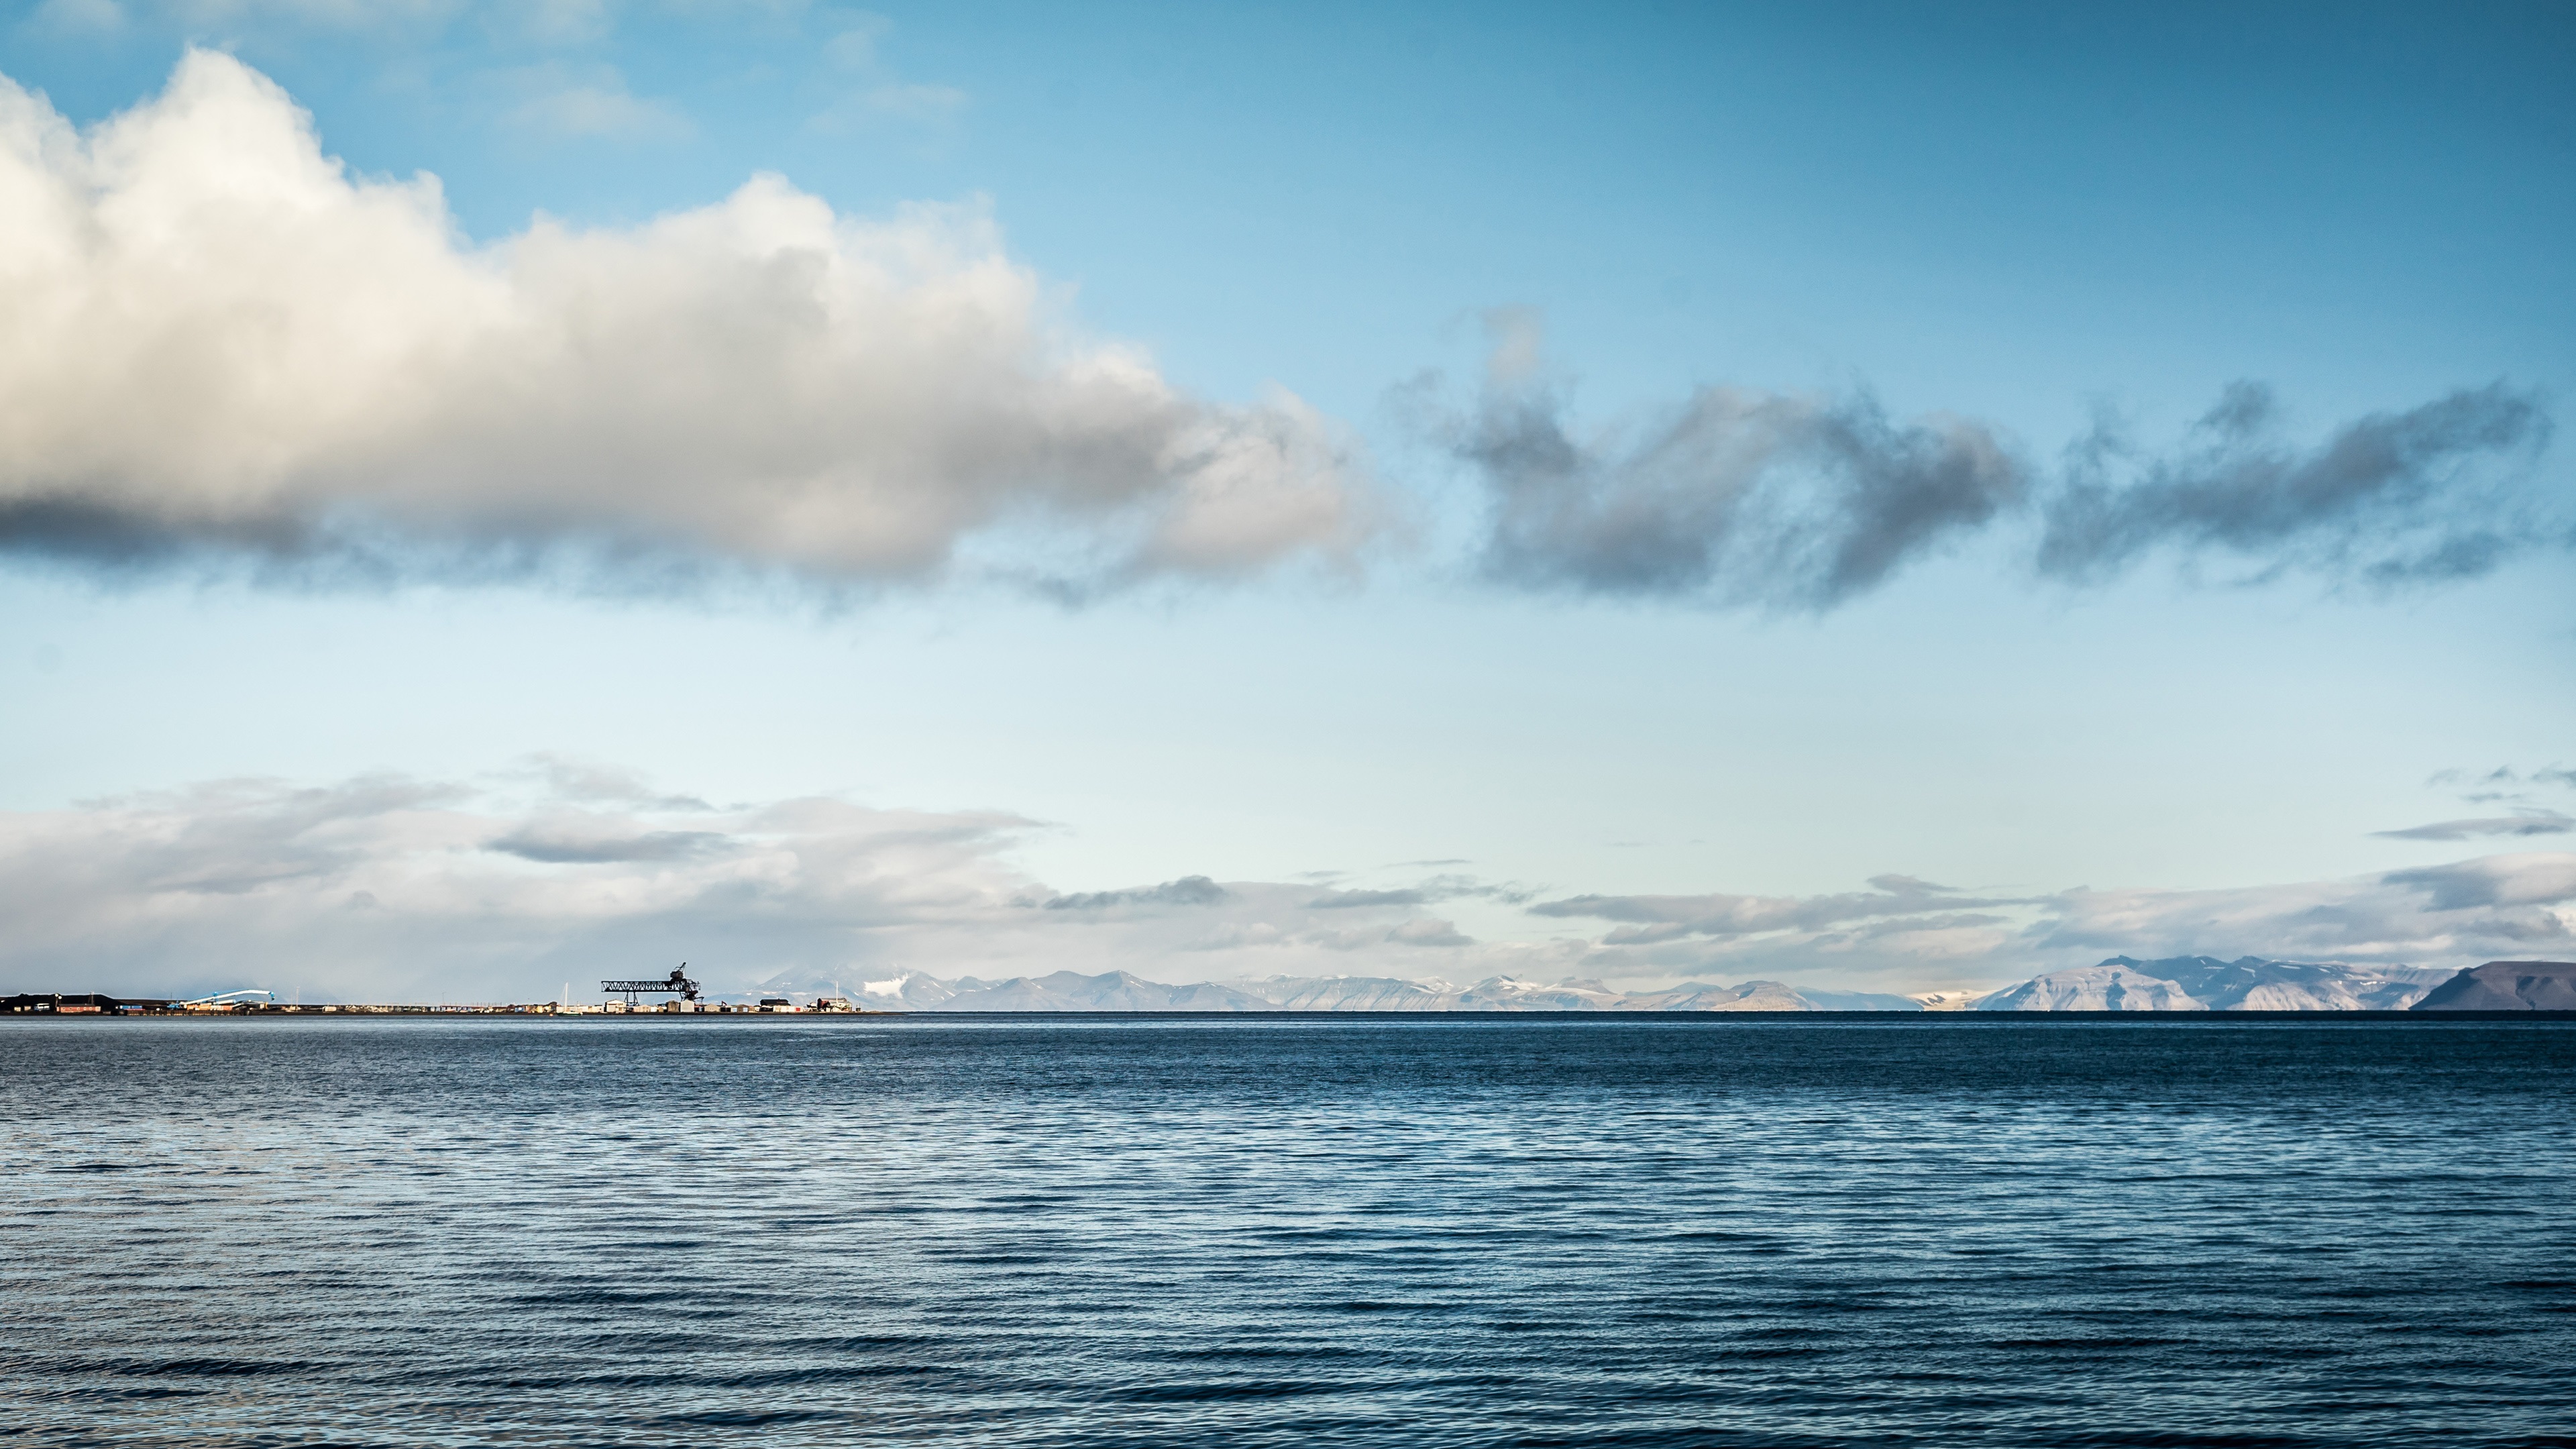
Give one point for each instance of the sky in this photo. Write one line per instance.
(1876, 496)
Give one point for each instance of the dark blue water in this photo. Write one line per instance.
(1441, 1231)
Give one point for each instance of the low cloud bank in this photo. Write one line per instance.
(2454, 914)
(511, 886)
(215, 342)
(1909, 934)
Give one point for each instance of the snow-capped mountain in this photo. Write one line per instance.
(2205, 983)
(1108, 991)
(1352, 993)
(2094, 988)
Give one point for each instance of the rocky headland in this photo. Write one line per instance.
(2506, 986)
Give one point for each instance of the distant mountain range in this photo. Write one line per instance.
(2121, 983)
(1124, 991)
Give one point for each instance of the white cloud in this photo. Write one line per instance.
(212, 337)
(559, 22)
(540, 22)
(595, 105)
(910, 102)
(331, 14)
(77, 17)
(871, 91)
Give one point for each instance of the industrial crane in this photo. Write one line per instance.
(679, 984)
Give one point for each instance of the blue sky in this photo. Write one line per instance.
(1482, 312)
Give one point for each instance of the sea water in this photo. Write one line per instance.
(1289, 1231)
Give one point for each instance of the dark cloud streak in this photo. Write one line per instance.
(1651, 920)
(549, 848)
(1745, 498)
(2364, 500)
(1355, 900)
(1189, 890)
(2536, 822)
(1754, 498)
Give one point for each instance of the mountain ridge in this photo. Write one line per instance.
(2506, 986)
(2117, 983)
(1065, 991)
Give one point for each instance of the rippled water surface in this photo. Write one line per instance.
(1437, 1231)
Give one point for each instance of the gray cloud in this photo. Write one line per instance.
(2459, 913)
(2496, 880)
(1910, 931)
(2381, 497)
(1430, 931)
(236, 837)
(1746, 497)
(2535, 822)
(588, 782)
(1738, 497)
(1650, 920)
(2505, 784)
(1189, 890)
(557, 848)
(1444, 887)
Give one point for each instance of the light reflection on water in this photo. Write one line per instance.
(1288, 1231)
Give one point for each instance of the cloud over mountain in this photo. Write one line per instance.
(216, 341)
(2461, 912)
(509, 885)
(1648, 920)
(1906, 930)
